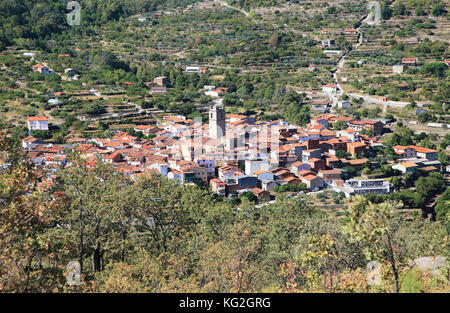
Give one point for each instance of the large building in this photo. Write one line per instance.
(361, 187)
(38, 123)
(405, 152)
(217, 121)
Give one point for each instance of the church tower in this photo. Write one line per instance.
(216, 121)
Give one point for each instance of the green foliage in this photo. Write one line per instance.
(25, 220)
(438, 9)
(249, 195)
(292, 109)
(379, 228)
(340, 125)
(442, 209)
(402, 136)
(291, 188)
(437, 69)
(428, 187)
(386, 11)
(342, 154)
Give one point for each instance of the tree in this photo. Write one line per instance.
(344, 97)
(429, 186)
(25, 216)
(386, 11)
(367, 131)
(443, 158)
(402, 136)
(437, 69)
(396, 182)
(249, 195)
(274, 41)
(342, 154)
(399, 8)
(322, 257)
(442, 209)
(88, 220)
(438, 9)
(419, 11)
(340, 125)
(387, 237)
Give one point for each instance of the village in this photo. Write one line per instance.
(234, 154)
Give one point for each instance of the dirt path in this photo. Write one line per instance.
(367, 98)
(231, 7)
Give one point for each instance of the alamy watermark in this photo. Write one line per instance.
(374, 273)
(374, 17)
(73, 276)
(74, 17)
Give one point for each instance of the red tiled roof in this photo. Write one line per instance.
(38, 118)
(30, 139)
(310, 177)
(409, 60)
(408, 164)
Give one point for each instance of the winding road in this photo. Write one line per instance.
(367, 98)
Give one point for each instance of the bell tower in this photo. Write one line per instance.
(216, 120)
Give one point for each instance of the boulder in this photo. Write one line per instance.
(430, 263)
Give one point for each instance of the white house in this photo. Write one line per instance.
(397, 69)
(38, 123)
(333, 52)
(209, 87)
(214, 93)
(299, 166)
(362, 187)
(329, 88)
(30, 142)
(328, 43)
(405, 152)
(406, 167)
(352, 134)
(193, 69)
(252, 166)
(41, 69)
(54, 101)
(312, 181)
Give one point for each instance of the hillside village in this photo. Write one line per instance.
(234, 154)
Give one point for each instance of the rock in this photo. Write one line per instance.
(430, 263)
